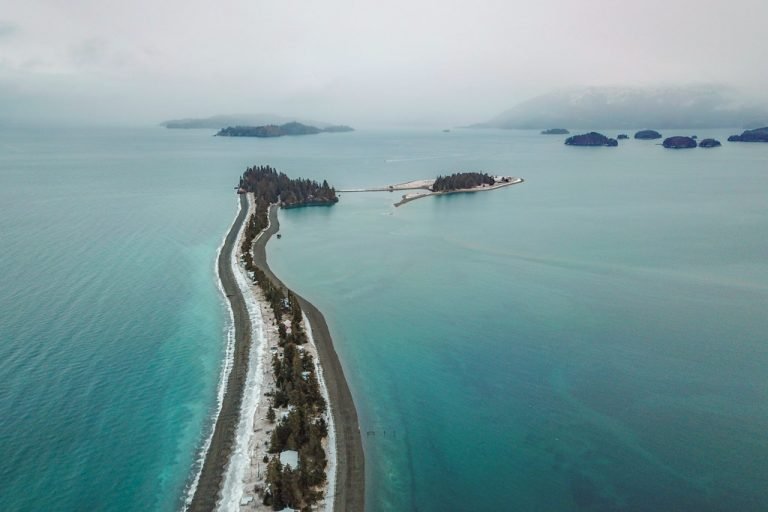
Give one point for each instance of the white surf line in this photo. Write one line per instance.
(232, 488)
(330, 493)
(226, 367)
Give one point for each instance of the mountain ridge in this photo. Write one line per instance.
(702, 106)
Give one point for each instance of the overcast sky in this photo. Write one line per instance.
(387, 62)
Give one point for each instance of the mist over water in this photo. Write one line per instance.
(396, 63)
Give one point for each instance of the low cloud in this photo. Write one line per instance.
(8, 29)
(363, 63)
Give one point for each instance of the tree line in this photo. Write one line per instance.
(297, 388)
(271, 186)
(462, 180)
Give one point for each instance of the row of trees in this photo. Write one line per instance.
(296, 388)
(462, 180)
(271, 186)
(296, 384)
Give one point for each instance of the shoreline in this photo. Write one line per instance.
(407, 198)
(246, 474)
(350, 460)
(426, 186)
(225, 368)
(217, 456)
(237, 481)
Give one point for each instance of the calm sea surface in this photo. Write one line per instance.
(593, 339)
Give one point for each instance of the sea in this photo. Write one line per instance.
(593, 339)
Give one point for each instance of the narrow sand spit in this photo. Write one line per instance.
(349, 491)
(499, 184)
(245, 478)
(216, 459)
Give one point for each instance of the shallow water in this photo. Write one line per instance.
(592, 339)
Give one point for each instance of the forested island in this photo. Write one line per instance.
(756, 135)
(647, 135)
(679, 142)
(591, 139)
(462, 180)
(272, 187)
(709, 143)
(274, 130)
(450, 184)
(555, 131)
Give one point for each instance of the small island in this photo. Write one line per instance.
(273, 130)
(647, 135)
(679, 142)
(339, 128)
(277, 188)
(709, 143)
(622, 136)
(591, 139)
(756, 135)
(460, 182)
(555, 131)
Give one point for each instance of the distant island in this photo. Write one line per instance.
(555, 131)
(756, 135)
(647, 135)
(679, 142)
(338, 128)
(591, 139)
(277, 188)
(273, 130)
(709, 143)
(451, 184)
(622, 136)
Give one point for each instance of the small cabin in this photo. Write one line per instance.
(289, 458)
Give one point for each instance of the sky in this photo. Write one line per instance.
(393, 62)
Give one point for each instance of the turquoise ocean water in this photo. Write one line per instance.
(593, 339)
